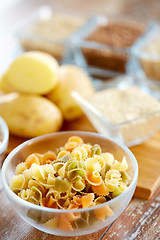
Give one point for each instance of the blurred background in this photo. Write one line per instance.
(13, 12)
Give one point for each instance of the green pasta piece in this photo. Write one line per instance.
(116, 192)
(72, 174)
(62, 185)
(96, 149)
(125, 177)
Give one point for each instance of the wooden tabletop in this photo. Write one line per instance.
(141, 219)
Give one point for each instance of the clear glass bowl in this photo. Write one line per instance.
(131, 132)
(37, 31)
(145, 63)
(4, 136)
(37, 216)
(99, 59)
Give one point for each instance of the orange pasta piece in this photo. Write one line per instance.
(94, 178)
(101, 213)
(39, 157)
(73, 206)
(48, 157)
(44, 202)
(31, 159)
(73, 216)
(52, 203)
(77, 200)
(69, 146)
(87, 200)
(49, 202)
(101, 190)
(64, 224)
(75, 139)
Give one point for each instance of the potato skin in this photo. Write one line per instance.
(5, 85)
(31, 115)
(71, 78)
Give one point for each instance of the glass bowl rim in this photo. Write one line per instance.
(52, 210)
(5, 132)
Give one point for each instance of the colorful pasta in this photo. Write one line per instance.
(78, 175)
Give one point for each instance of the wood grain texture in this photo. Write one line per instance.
(141, 220)
(147, 155)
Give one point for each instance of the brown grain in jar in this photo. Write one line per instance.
(116, 35)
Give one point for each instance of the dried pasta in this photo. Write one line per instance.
(77, 175)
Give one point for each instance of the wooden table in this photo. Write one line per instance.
(141, 219)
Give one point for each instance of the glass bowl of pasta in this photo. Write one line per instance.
(70, 183)
(4, 136)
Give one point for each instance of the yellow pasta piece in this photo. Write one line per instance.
(80, 153)
(27, 174)
(38, 193)
(31, 159)
(101, 190)
(95, 164)
(52, 192)
(20, 168)
(18, 182)
(88, 148)
(25, 194)
(94, 178)
(51, 180)
(61, 171)
(37, 171)
(99, 200)
(39, 156)
(78, 185)
(48, 169)
(121, 166)
(112, 184)
(44, 183)
(108, 157)
(113, 174)
(52, 223)
(34, 183)
(122, 186)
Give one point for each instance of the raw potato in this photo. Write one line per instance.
(71, 78)
(33, 72)
(5, 85)
(31, 115)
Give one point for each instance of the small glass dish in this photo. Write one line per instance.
(145, 59)
(48, 31)
(4, 136)
(131, 132)
(37, 216)
(88, 47)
